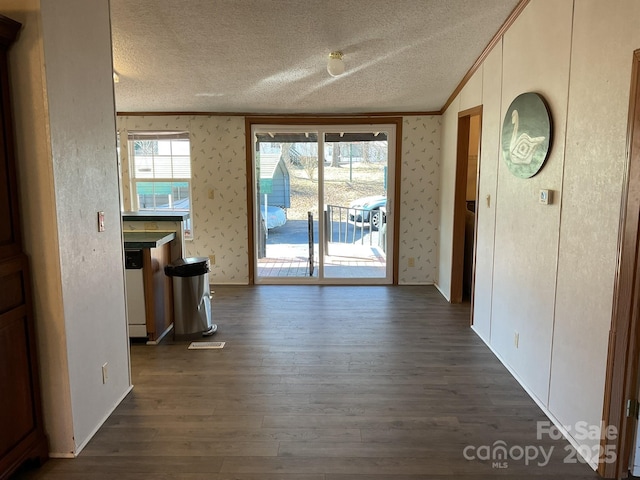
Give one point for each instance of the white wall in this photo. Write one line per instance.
(218, 162)
(603, 42)
(67, 171)
(547, 272)
(447, 180)
(83, 140)
(526, 232)
(491, 72)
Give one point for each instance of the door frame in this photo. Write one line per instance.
(621, 383)
(250, 121)
(460, 205)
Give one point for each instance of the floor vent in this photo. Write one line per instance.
(206, 345)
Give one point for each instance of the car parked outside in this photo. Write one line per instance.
(368, 210)
(276, 216)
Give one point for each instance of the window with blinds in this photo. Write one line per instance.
(160, 166)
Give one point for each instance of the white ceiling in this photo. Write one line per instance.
(270, 56)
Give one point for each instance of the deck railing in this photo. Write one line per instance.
(346, 225)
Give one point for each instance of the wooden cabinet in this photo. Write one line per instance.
(10, 240)
(21, 427)
(149, 290)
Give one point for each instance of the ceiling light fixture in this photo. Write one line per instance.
(116, 77)
(335, 65)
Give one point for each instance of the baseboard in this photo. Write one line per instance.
(161, 336)
(61, 455)
(589, 461)
(446, 297)
(485, 340)
(104, 419)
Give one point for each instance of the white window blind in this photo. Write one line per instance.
(160, 155)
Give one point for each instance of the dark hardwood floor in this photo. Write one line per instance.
(321, 383)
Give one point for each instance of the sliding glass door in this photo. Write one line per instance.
(323, 203)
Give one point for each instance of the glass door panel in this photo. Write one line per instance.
(286, 205)
(355, 203)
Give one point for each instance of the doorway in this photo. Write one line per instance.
(464, 217)
(323, 201)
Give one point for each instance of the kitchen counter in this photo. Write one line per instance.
(147, 239)
(155, 216)
(158, 223)
(159, 238)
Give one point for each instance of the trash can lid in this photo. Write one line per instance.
(187, 267)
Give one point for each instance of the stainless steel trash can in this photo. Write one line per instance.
(191, 295)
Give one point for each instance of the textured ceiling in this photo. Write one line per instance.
(270, 56)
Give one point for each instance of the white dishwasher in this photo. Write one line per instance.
(134, 280)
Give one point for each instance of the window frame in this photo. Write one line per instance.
(132, 137)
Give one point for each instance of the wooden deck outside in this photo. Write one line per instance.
(344, 261)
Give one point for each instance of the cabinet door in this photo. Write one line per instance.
(16, 406)
(10, 242)
(20, 417)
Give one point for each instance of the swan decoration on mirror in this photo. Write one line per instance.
(522, 147)
(526, 135)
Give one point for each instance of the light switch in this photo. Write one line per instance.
(101, 221)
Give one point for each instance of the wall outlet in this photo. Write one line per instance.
(211, 194)
(212, 259)
(411, 262)
(516, 339)
(105, 372)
